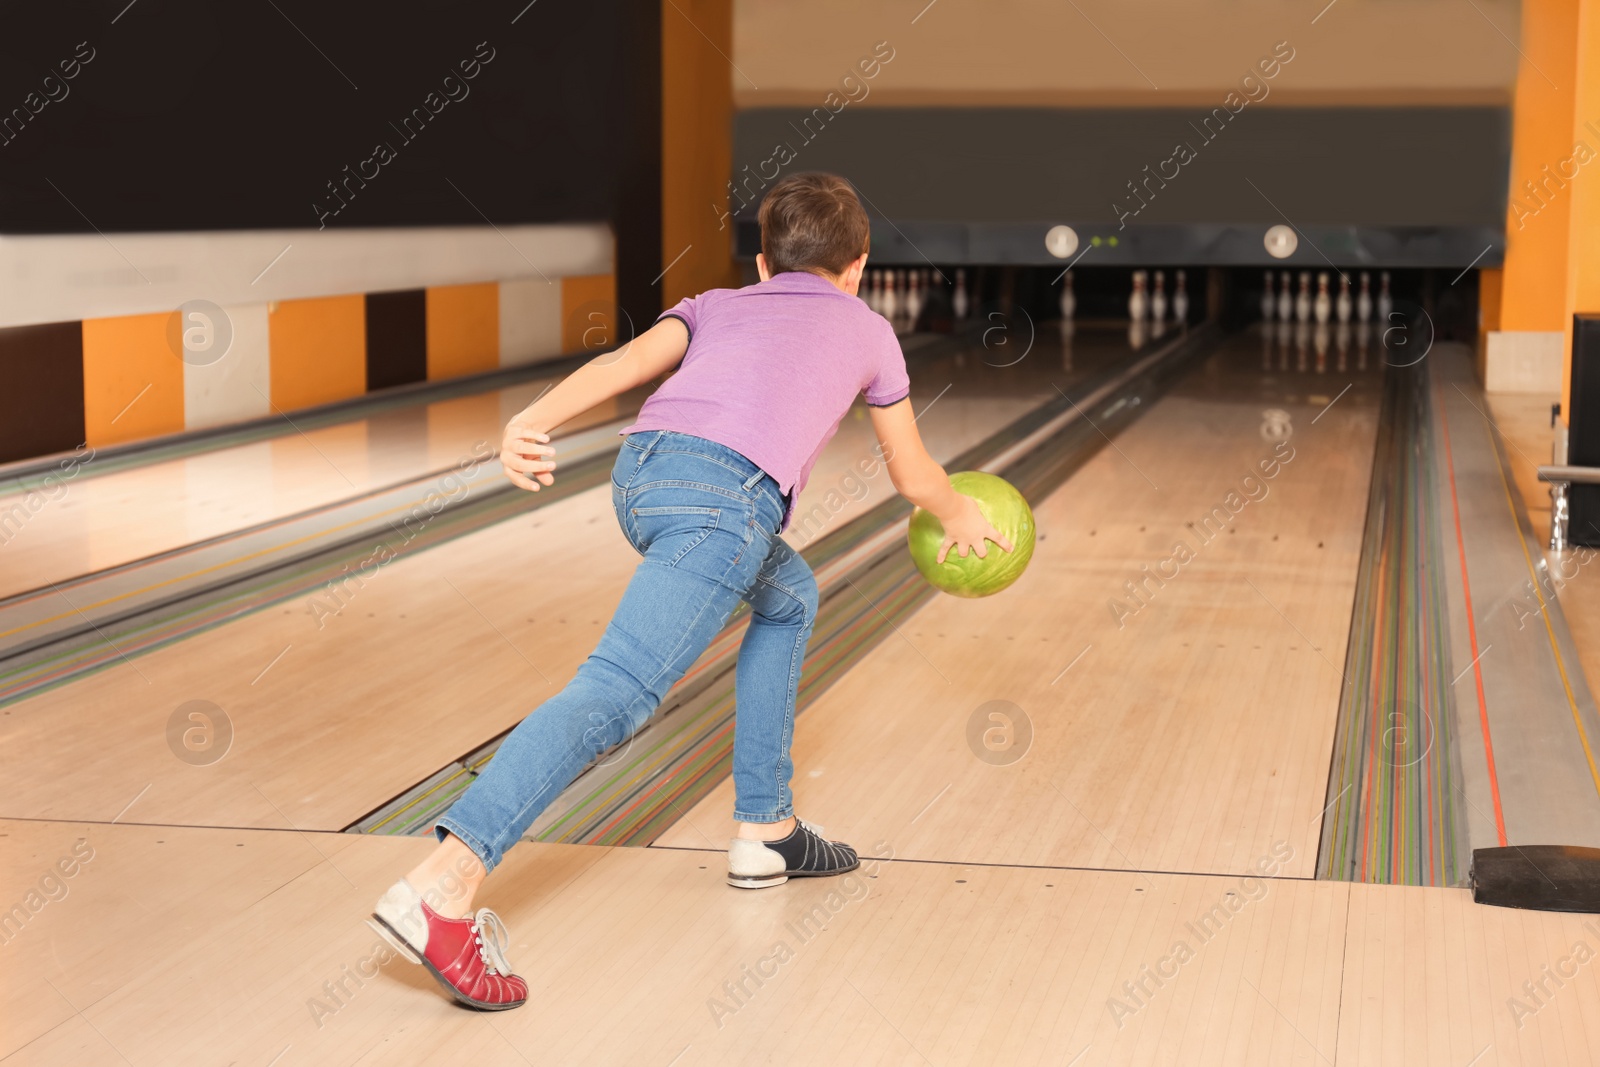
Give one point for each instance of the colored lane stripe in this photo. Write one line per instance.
(1472, 630)
(1392, 816)
(67, 660)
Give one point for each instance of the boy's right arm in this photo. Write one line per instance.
(921, 480)
(525, 450)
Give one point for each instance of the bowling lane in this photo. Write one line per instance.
(89, 524)
(180, 945)
(331, 715)
(1165, 708)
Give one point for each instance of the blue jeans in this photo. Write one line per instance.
(706, 521)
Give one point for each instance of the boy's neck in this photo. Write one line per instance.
(835, 280)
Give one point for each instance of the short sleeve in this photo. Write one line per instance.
(685, 311)
(891, 384)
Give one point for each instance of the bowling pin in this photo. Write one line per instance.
(1285, 297)
(1385, 300)
(1268, 304)
(889, 305)
(1322, 307)
(1341, 306)
(1069, 300)
(1302, 299)
(960, 303)
(1364, 300)
(1180, 300)
(1158, 299)
(874, 281)
(1138, 303)
(914, 298)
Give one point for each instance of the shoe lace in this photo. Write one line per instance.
(812, 827)
(492, 938)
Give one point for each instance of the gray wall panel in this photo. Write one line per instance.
(1417, 167)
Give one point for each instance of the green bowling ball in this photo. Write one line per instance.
(1006, 510)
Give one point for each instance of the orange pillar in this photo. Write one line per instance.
(696, 147)
(1527, 336)
(1541, 137)
(1582, 290)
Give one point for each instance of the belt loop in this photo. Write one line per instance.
(750, 482)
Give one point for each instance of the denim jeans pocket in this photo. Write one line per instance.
(674, 529)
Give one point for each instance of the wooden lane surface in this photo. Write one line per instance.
(183, 945)
(430, 657)
(89, 524)
(1191, 734)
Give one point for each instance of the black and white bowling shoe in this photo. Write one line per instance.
(803, 854)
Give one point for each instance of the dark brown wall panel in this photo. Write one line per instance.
(397, 338)
(41, 390)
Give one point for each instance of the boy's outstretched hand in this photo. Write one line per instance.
(525, 451)
(526, 454)
(967, 530)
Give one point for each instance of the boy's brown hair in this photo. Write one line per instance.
(813, 222)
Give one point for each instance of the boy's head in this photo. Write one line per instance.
(813, 222)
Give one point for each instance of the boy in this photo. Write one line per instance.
(703, 485)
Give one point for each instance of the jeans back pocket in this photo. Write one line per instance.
(671, 531)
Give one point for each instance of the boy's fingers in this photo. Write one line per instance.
(518, 433)
(519, 481)
(525, 446)
(944, 550)
(547, 479)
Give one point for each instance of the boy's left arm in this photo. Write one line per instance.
(525, 451)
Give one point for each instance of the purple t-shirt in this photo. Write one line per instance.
(772, 368)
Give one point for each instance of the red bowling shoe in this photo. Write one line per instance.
(467, 956)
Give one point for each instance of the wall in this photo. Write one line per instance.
(1127, 52)
(1375, 123)
(367, 194)
(111, 340)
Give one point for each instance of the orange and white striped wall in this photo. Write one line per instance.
(113, 339)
